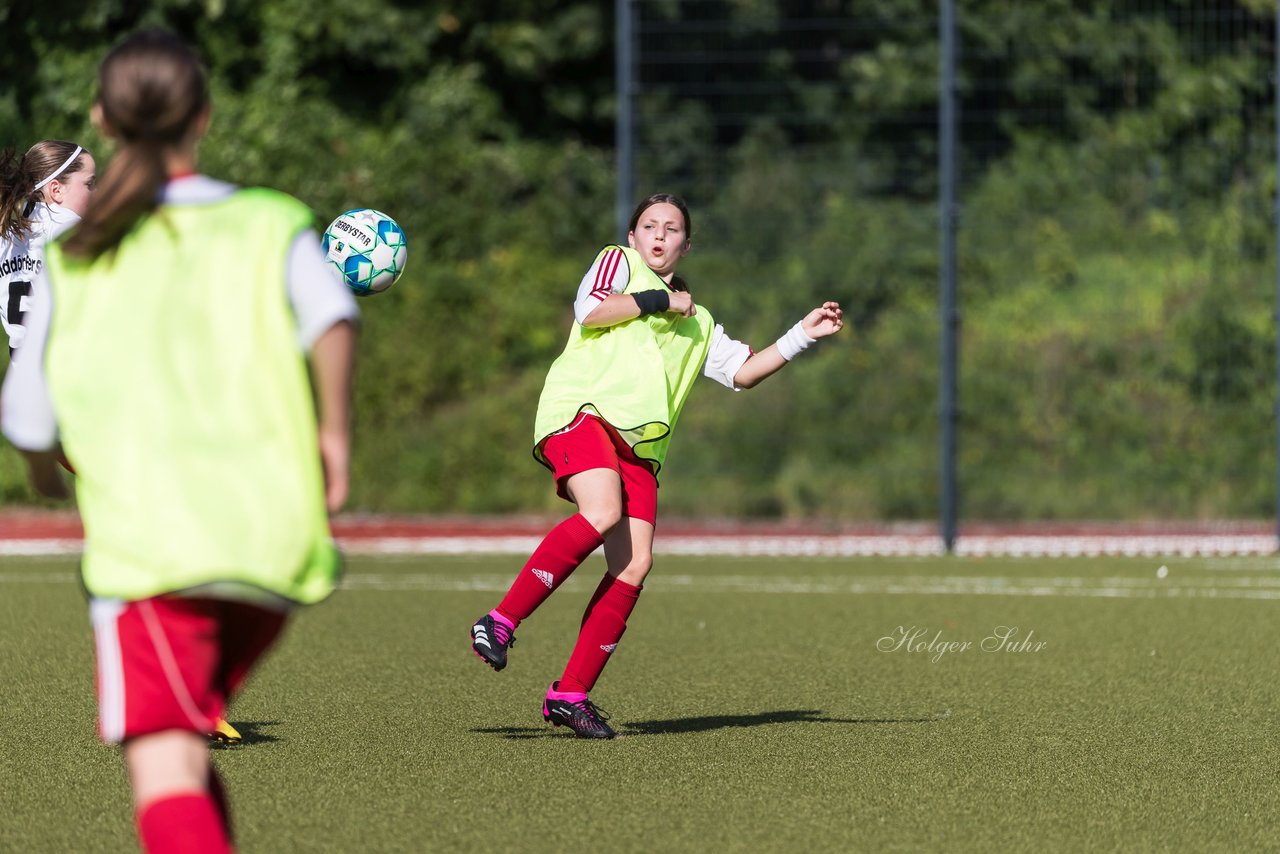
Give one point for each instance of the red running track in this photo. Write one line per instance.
(34, 532)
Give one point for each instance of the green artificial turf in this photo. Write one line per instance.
(756, 712)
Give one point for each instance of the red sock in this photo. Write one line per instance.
(183, 824)
(554, 560)
(602, 626)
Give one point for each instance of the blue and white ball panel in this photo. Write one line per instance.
(390, 233)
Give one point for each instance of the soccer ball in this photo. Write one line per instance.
(368, 250)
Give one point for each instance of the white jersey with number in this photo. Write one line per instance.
(21, 262)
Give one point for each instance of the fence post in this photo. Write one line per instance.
(1275, 218)
(949, 315)
(624, 126)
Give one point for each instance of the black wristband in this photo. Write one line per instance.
(652, 302)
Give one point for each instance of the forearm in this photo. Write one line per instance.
(332, 361)
(612, 310)
(760, 365)
(770, 360)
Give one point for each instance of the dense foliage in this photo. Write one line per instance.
(1116, 252)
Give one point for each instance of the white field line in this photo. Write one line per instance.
(40, 548)
(1184, 545)
(1116, 587)
(792, 546)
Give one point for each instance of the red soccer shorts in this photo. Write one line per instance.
(172, 663)
(592, 443)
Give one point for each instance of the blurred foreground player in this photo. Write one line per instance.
(203, 472)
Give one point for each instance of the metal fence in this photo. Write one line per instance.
(1100, 185)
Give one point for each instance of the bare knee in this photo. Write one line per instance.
(604, 516)
(636, 570)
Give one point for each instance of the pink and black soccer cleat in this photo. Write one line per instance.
(585, 718)
(490, 638)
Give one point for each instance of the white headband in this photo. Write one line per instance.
(60, 169)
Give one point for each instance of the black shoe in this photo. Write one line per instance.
(585, 718)
(490, 639)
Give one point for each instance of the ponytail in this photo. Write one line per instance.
(16, 190)
(128, 191)
(152, 90)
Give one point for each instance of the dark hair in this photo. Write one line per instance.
(677, 283)
(151, 89)
(19, 176)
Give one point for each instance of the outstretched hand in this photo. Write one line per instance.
(825, 320)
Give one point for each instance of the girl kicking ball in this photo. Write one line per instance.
(603, 425)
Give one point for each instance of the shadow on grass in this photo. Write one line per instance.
(674, 726)
(523, 732)
(799, 716)
(251, 732)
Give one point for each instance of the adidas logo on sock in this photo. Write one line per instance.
(545, 577)
(609, 647)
